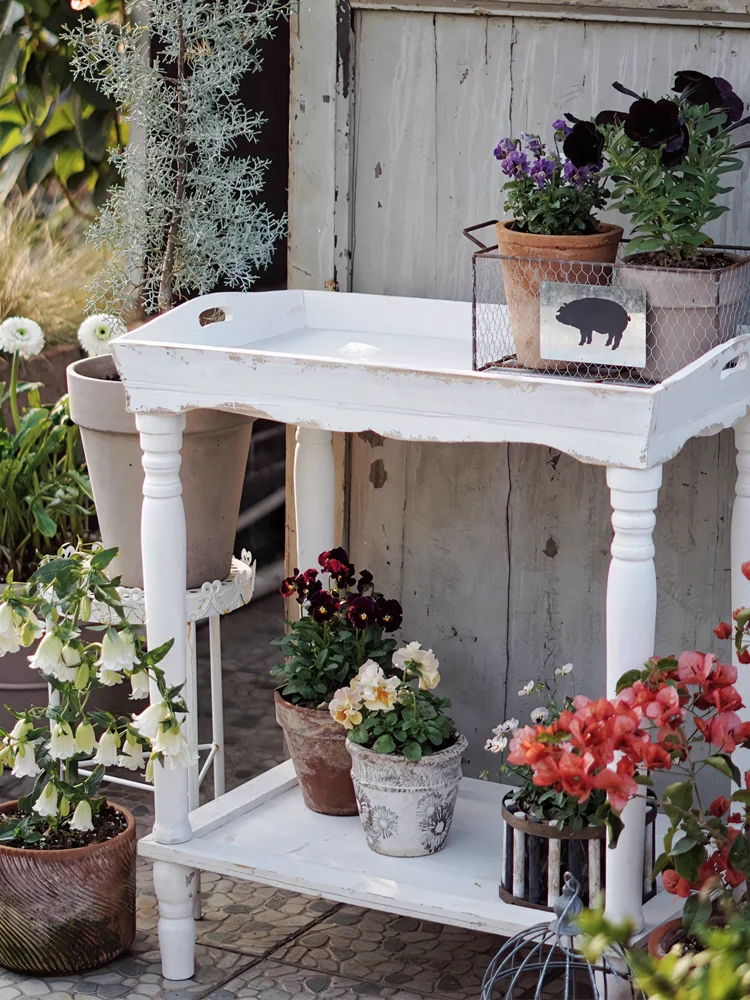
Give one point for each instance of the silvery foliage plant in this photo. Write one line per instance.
(51, 744)
(186, 217)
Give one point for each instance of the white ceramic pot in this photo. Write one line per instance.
(406, 807)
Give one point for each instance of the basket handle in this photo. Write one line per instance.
(472, 229)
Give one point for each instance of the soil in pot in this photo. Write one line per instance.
(664, 937)
(690, 310)
(214, 458)
(68, 909)
(407, 807)
(548, 258)
(317, 746)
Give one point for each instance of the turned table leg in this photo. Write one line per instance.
(631, 628)
(314, 495)
(164, 551)
(741, 553)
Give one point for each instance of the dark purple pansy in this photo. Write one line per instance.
(323, 606)
(338, 553)
(698, 88)
(611, 118)
(584, 146)
(653, 124)
(362, 612)
(390, 615)
(307, 584)
(365, 581)
(289, 586)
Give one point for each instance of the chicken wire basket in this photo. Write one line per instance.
(617, 322)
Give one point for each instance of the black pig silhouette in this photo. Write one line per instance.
(601, 315)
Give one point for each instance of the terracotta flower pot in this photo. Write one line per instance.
(663, 938)
(214, 457)
(318, 748)
(688, 311)
(546, 258)
(406, 806)
(67, 911)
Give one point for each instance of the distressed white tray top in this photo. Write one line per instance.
(402, 368)
(263, 832)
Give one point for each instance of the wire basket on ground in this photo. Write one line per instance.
(628, 323)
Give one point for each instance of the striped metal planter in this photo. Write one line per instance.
(537, 854)
(67, 911)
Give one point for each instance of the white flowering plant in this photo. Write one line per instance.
(96, 333)
(551, 803)
(396, 712)
(50, 744)
(45, 493)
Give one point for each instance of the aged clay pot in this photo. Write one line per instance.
(406, 806)
(214, 457)
(688, 311)
(67, 911)
(664, 937)
(318, 748)
(546, 258)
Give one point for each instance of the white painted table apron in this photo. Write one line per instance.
(402, 368)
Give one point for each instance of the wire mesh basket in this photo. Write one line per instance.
(622, 321)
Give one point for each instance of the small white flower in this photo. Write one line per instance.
(148, 723)
(85, 738)
(109, 678)
(345, 708)
(565, 669)
(376, 691)
(527, 689)
(23, 335)
(106, 755)
(118, 651)
(10, 630)
(422, 662)
(170, 741)
(31, 629)
(25, 765)
(48, 656)
(96, 332)
(46, 804)
(132, 757)
(183, 758)
(539, 715)
(139, 685)
(62, 744)
(497, 744)
(81, 819)
(506, 728)
(19, 730)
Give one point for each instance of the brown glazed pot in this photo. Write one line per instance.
(214, 458)
(546, 258)
(67, 911)
(323, 765)
(688, 311)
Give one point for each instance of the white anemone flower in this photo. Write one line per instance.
(25, 765)
(106, 754)
(132, 757)
(139, 685)
(20, 334)
(62, 744)
(96, 333)
(148, 723)
(46, 804)
(81, 819)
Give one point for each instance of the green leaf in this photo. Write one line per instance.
(739, 855)
(627, 680)
(680, 793)
(10, 46)
(41, 163)
(43, 521)
(683, 845)
(688, 864)
(412, 750)
(384, 744)
(727, 767)
(741, 795)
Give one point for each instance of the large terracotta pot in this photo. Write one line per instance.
(663, 938)
(688, 311)
(547, 258)
(214, 456)
(406, 806)
(318, 748)
(67, 911)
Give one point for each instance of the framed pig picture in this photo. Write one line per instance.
(593, 324)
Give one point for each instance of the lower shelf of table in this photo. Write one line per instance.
(262, 832)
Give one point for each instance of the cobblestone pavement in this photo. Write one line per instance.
(255, 941)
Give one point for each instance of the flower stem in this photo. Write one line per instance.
(14, 393)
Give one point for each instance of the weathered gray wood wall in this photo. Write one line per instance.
(499, 553)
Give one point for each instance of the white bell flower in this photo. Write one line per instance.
(25, 765)
(106, 754)
(96, 332)
(10, 630)
(109, 678)
(19, 730)
(48, 656)
(169, 741)
(32, 628)
(184, 757)
(46, 804)
(20, 334)
(148, 723)
(132, 757)
(118, 651)
(85, 738)
(139, 683)
(62, 743)
(149, 772)
(81, 819)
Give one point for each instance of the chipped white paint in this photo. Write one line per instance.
(553, 870)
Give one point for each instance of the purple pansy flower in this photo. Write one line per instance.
(533, 143)
(542, 170)
(503, 148)
(560, 125)
(515, 164)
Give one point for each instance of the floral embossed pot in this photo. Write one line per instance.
(406, 807)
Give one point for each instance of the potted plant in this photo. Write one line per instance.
(67, 855)
(668, 161)
(406, 753)
(44, 490)
(557, 815)
(339, 630)
(553, 195)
